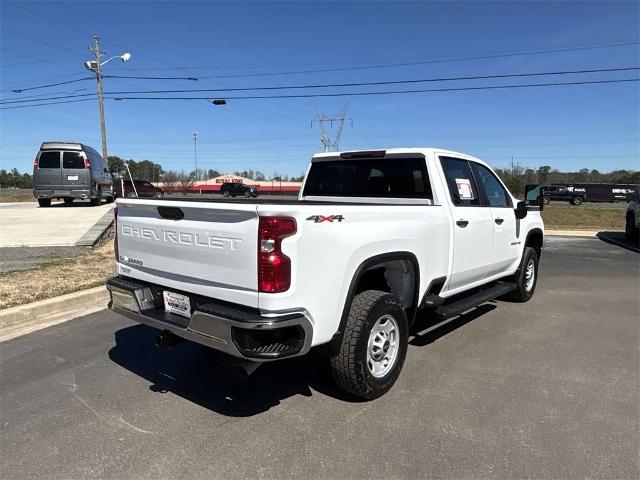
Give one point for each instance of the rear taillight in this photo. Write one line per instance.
(115, 234)
(87, 164)
(274, 267)
(35, 163)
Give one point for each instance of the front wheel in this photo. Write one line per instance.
(44, 202)
(247, 194)
(225, 194)
(68, 201)
(374, 345)
(576, 201)
(546, 200)
(631, 231)
(526, 277)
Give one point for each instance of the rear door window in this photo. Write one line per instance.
(461, 182)
(72, 160)
(49, 160)
(390, 177)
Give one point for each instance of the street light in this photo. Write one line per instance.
(195, 154)
(96, 67)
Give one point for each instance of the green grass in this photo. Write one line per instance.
(583, 217)
(16, 195)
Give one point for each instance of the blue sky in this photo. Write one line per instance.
(567, 127)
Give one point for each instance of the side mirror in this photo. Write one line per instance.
(533, 196)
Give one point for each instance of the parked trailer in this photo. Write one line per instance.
(576, 193)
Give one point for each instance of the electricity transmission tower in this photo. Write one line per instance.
(325, 121)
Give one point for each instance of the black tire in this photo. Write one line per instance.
(247, 194)
(350, 365)
(576, 201)
(630, 230)
(225, 194)
(523, 291)
(68, 201)
(95, 202)
(44, 202)
(110, 199)
(546, 200)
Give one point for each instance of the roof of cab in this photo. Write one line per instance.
(400, 150)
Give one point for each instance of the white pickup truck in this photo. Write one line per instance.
(373, 237)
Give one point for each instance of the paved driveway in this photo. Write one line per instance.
(546, 389)
(26, 224)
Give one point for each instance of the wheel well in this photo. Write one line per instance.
(395, 276)
(534, 240)
(396, 273)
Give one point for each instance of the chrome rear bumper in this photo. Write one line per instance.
(238, 331)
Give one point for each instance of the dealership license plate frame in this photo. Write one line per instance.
(177, 303)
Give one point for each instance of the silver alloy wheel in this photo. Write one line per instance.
(530, 275)
(382, 350)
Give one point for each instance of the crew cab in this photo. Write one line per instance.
(374, 237)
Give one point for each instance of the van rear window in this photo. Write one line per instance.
(49, 160)
(376, 177)
(72, 160)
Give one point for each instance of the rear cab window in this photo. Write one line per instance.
(49, 160)
(369, 177)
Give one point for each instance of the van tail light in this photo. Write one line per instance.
(35, 163)
(115, 234)
(274, 267)
(87, 164)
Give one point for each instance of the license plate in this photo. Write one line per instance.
(177, 303)
(72, 177)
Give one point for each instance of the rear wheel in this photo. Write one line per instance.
(576, 201)
(68, 201)
(247, 194)
(44, 202)
(374, 345)
(546, 200)
(109, 199)
(526, 277)
(226, 194)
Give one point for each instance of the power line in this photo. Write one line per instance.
(560, 49)
(362, 94)
(20, 90)
(49, 103)
(351, 84)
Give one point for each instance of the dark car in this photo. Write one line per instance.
(233, 189)
(143, 189)
(572, 194)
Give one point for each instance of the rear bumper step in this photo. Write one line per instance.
(457, 307)
(238, 331)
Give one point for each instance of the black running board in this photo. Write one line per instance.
(467, 303)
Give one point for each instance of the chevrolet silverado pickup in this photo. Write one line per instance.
(373, 237)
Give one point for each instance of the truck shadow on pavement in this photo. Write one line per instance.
(202, 375)
(620, 240)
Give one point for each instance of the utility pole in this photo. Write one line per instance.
(195, 153)
(98, 70)
(325, 137)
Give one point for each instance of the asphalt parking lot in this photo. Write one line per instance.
(25, 224)
(546, 389)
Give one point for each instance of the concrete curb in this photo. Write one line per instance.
(572, 233)
(23, 319)
(97, 231)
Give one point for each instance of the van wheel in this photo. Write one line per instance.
(526, 276)
(374, 345)
(44, 202)
(546, 200)
(576, 201)
(68, 201)
(110, 199)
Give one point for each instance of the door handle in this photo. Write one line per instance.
(499, 221)
(462, 223)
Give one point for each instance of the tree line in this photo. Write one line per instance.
(517, 176)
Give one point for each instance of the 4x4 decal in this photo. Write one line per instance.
(325, 218)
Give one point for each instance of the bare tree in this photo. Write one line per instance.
(185, 182)
(170, 180)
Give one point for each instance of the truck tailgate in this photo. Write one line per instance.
(204, 248)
